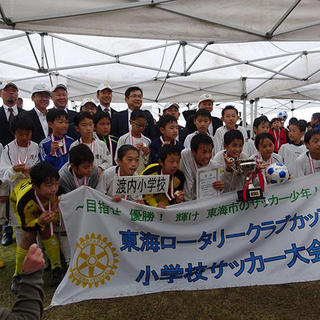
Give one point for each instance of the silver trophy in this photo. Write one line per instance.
(248, 168)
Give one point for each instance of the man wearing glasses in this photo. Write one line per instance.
(121, 123)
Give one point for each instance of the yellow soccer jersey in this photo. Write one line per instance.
(25, 206)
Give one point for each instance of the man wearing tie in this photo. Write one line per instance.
(121, 125)
(8, 110)
(41, 98)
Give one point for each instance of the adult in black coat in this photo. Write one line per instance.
(60, 100)
(205, 102)
(9, 94)
(41, 98)
(104, 95)
(133, 98)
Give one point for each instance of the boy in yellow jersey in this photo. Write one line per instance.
(35, 204)
(169, 163)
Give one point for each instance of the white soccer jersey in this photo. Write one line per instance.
(305, 165)
(102, 156)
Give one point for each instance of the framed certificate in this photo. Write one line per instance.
(205, 178)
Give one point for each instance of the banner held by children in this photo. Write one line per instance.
(124, 248)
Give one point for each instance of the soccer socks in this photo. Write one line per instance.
(20, 255)
(53, 251)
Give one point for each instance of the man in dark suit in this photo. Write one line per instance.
(205, 102)
(41, 98)
(9, 109)
(60, 99)
(104, 95)
(121, 126)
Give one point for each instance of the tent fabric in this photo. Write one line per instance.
(201, 20)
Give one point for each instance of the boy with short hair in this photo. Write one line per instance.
(168, 126)
(55, 148)
(229, 117)
(260, 125)
(309, 162)
(227, 161)
(289, 152)
(315, 120)
(128, 162)
(198, 156)
(75, 173)
(83, 123)
(202, 120)
(80, 170)
(278, 133)
(17, 159)
(134, 137)
(36, 205)
(102, 125)
(169, 163)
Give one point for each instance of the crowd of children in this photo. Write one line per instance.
(34, 176)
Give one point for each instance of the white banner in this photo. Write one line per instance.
(123, 249)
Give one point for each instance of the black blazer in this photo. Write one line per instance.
(121, 126)
(5, 135)
(113, 114)
(37, 135)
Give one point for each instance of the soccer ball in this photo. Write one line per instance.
(283, 115)
(277, 173)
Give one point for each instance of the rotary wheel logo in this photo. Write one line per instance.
(94, 261)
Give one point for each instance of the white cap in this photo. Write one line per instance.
(104, 85)
(40, 87)
(5, 84)
(205, 97)
(87, 100)
(59, 85)
(170, 104)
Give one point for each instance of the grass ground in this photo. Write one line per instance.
(290, 301)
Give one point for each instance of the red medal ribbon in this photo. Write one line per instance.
(44, 210)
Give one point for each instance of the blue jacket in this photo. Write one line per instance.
(60, 159)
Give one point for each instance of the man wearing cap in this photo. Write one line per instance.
(104, 95)
(8, 110)
(89, 105)
(60, 99)
(205, 102)
(121, 125)
(41, 98)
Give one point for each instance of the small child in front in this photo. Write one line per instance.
(83, 123)
(202, 120)
(199, 156)
(309, 162)
(36, 205)
(169, 163)
(168, 126)
(229, 117)
(128, 162)
(134, 137)
(289, 152)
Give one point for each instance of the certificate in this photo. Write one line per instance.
(205, 178)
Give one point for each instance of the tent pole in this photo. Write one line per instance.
(244, 99)
(292, 107)
(42, 51)
(251, 117)
(255, 108)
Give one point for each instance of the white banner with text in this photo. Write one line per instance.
(125, 249)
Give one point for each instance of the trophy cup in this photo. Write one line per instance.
(249, 192)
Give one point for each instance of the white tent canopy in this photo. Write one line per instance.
(170, 69)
